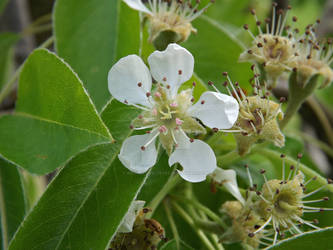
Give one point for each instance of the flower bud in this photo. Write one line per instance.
(258, 121)
(146, 234)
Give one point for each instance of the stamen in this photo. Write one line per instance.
(318, 200)
(263, 226)
(173, 137)
(283, 166)
(290, 172)
(150, 141)
(263, 171)
(249, 175)
(210, 83)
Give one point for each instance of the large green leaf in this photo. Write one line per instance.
(84, 205)
(91, 35)
(54, 116)
(7, 41)
(12, 201)
(318, 239)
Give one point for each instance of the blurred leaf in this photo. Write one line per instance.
(210, 63)
(91, 35)
(54, 118)
(3, 4)
(172, 245)
(7, 41)
(12, 201)
(318, 239)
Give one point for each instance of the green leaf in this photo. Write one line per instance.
(83, 206)
(210, 63)
(12, 201)
(91, 35)
(7, 41)
(318, 239)
(54, 118)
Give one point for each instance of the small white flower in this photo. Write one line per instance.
(171, 15)
(168, 114)
(228, 179)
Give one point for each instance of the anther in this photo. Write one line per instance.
(259, 45)
(246, 26)
(299, 156)
(194, 84)
(215, 130)
(262, 171)
(140, 84)
(191, 140)
(202, 102)
(225, 73)
(168, 87)
(210, 83)
(164, 79)
(131, 127)
(251, 235)
(143, 148)
(148, 94)
(253, 12)
(180, 72)
(282, 156)
(250, 52)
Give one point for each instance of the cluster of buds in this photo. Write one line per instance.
(281, 48)
(272, 211)
(170, 20)
(144, 234)
(258, 116)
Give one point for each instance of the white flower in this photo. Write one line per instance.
(228, 179)
(168, 114)
(171, 15)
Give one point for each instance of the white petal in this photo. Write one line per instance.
(228, 179)
(134, 158)
(172, 66)
(216, 110)
(129, 219)
(124, 78)
(196, 158)
(138, 5)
